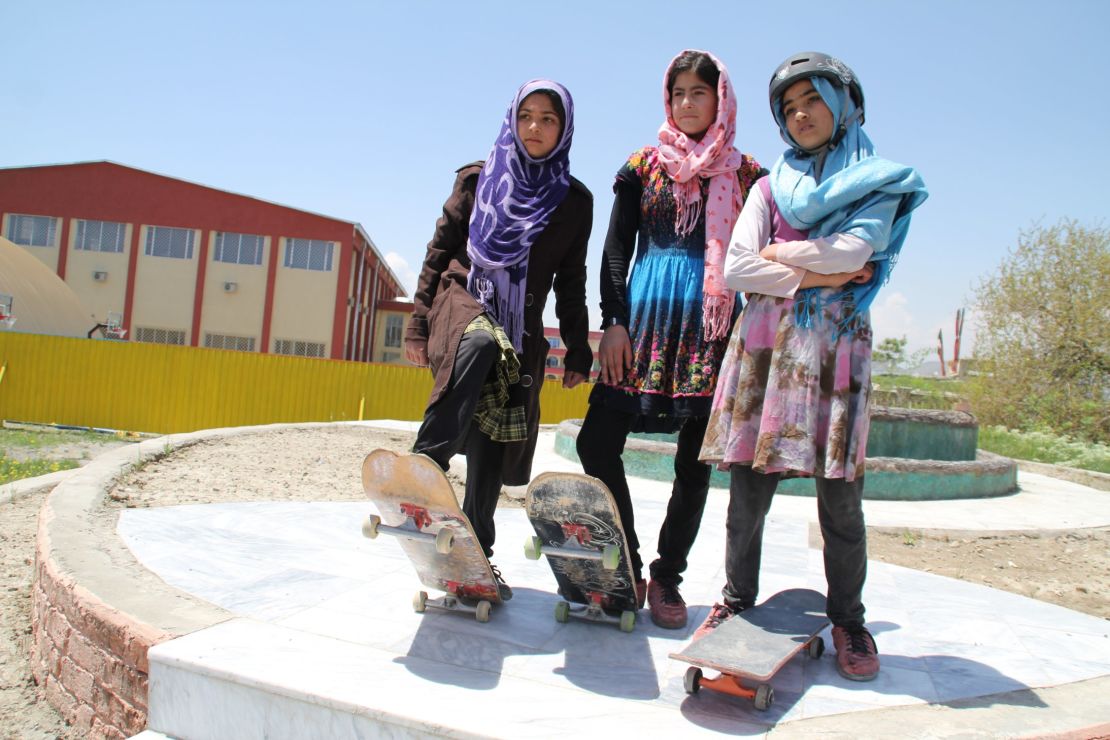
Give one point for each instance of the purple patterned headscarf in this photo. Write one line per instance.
(515, 198)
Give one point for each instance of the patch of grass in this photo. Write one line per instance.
(934, 385)
(1045, 447)
(32, 439)
(17, 470)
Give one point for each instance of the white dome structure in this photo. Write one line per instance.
(42, 302)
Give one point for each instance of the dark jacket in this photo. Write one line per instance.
(443, 307)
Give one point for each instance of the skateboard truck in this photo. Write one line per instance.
(452, 601)
(574, 547)
(594, 611)
(417, 519)
(762, 696)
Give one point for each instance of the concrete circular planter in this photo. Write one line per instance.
(912, 455)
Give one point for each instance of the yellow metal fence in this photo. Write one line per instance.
(160, 388)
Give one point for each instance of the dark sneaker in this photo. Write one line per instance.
(503, 589)
(718, 614)
(857, 658)
(641, 593)
(668, 610)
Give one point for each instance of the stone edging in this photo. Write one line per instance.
(96, 610)
(1089, 478)
(17, 489)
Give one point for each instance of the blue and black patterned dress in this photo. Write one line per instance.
(674, 370)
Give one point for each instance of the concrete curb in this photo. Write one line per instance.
(1067, 712)
(1089, 478)
(18, 489)
(96, 610)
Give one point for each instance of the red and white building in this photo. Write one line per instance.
(182, 263)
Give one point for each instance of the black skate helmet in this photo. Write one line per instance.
(815, 64)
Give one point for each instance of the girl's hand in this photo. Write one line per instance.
(770, 252)
(572, 378)
(615, 354)
(416, 351)
(837, 279)
(864, 274)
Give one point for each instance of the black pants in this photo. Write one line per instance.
(600, 445)
(840, 512)
(449, 428)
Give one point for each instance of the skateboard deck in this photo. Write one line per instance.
(756, 643)
(579, 530)
(416, 504)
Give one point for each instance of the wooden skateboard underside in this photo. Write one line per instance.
(416, 501)
(757, 642)
(572, 513)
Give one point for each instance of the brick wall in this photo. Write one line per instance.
(90, 659)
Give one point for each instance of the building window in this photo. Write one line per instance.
(394, 325)
(298, 348)
(308, 254)
(100, 236)
(240, 249)
(391, 357)
(33, 231)
(159, 336)
(553, 362)
(227, 341)
(555, 342)
(163, 241)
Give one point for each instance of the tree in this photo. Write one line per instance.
(891, 352)
(1043, 333)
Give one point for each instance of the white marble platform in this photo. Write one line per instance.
(326, 644)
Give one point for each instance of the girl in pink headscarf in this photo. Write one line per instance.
(666, 325)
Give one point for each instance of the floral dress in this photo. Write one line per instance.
(792, 396)
(674, 369)
(793, 399)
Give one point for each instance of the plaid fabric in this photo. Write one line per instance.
(495, 417)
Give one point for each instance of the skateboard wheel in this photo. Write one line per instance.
(764, 696)
(420, 602)
(816, 648)
(562, 612)
(445, 540)
(610, 557)
(482, 612)
(692, 680)
(628, 621)
(370, 526)
(532, 547)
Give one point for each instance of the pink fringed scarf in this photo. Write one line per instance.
(714, 157)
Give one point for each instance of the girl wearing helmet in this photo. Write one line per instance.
(666, 327)
(813, 245)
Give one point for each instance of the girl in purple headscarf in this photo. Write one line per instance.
(514, 227)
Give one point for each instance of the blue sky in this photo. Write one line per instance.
(363, 110)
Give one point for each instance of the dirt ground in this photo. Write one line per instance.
(1071, 569)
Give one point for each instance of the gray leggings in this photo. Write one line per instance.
(840, 512)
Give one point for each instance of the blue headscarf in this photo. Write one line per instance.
(513, 203)
(855, 193)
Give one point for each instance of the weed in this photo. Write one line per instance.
(1046, 447)
(17, 470)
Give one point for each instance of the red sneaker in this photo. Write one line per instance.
(857, 658)
(718, 614)
(668, 610)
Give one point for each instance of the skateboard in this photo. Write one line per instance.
(753, 645)
(418, 506)
(579, 530)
